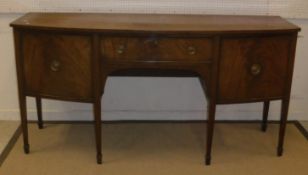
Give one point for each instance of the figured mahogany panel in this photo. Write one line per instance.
(123, 49)
(253, 68)
(57, 65)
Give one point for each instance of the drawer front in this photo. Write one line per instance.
(253, 68)
(57, 65)
(127, 49)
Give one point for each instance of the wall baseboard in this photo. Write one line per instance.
(87, 115)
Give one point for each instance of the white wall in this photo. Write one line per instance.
(147, 98)
(285, 8)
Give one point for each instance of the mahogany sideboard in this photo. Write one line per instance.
(238, 59)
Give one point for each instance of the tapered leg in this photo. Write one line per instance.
(39, 112)
(283, 122)
(265, 115)
(98, 133)
(23, 115)
(210, 128)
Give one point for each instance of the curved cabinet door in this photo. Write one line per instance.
(57, 66)
(253, 68)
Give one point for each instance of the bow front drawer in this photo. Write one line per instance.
(147, 49)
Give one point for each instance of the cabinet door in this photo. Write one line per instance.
(57, 66)
(253, 68)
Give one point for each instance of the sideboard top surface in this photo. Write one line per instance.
(154, 22)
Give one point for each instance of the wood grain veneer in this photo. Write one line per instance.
(68, 56)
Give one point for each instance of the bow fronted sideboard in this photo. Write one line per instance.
(238, 59)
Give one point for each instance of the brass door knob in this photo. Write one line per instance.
(191, 50)
(55, 66)
(121, 49)
(255, 69)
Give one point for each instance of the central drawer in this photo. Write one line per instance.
(147, 49)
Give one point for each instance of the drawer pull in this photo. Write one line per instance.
(151, 41)
(255, 69)
(55, 66)
(121, 49)
(191, 50)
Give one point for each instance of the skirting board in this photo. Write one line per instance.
(87, 115)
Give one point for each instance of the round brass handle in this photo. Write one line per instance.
(121, 49)
(191, 50)
(255, 69)
(55, 66)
